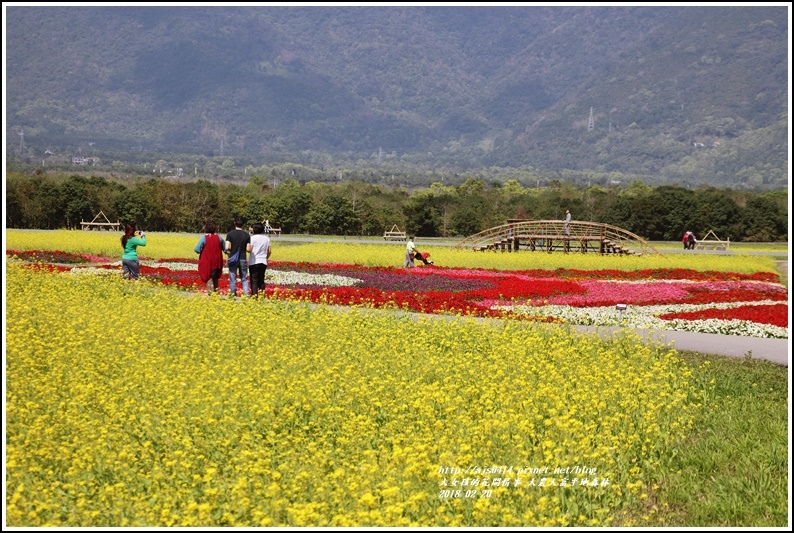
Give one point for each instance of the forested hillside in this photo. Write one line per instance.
(676, 94)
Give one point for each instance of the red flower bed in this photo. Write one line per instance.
(430, 302)
(775, 314)
(742, 293)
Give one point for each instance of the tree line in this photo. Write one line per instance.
(662, 213)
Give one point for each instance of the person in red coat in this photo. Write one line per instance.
(210, 249)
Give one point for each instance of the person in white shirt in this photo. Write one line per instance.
(257, 258)
(410, 250)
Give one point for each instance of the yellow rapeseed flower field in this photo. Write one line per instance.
(131, 404)
(172, 245)
(393, 254)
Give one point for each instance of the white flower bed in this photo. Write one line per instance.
(744, 328)
(278, 277)
(637, 316)
(274, 277)
(169, 265)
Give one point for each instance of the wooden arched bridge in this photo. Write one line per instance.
(555, 235)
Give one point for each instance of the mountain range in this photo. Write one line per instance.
(695, 94)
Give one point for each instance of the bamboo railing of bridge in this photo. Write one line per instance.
(555, 235)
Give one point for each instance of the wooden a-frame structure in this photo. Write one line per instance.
(712, 244)
(106, 225)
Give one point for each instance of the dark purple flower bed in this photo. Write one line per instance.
(387, 279)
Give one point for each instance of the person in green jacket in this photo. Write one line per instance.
(130, 267)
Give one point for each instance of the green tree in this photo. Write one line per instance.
(467, 219)
(255, 185)
(203, 200)
(471, 187)
(159, 213)
(594, 203)
(715, 211)
(669, 212)
(235, 203)
(34, 202)
(761, 220)
(258, 210)
(76, 205)
(132, 206)
(334, 215)
(102, 195)
(512, 189)
(421, 217)
(289, 205)
(646, 218)
(621, 214)
(375, 219)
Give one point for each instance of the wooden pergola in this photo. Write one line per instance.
(555, 235)
(106, 225)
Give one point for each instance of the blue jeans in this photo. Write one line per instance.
(243, 271)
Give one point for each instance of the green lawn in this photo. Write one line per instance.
(733, 471)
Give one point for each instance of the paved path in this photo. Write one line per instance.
(777, 351)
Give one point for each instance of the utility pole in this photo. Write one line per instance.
(591, 124)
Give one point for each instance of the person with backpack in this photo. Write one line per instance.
(238, 243)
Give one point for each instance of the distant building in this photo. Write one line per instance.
(80, 160)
